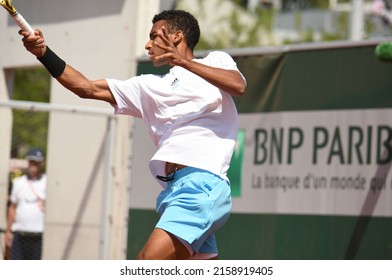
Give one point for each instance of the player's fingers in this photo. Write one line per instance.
(23, 32)
(33, 43)
(163, 47)
(164, 32)
(164, 36)
(26, 34)
(40, 42)
(39, 33)
(163, 56)
(168, 58)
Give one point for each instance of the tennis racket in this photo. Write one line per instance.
(18, 18)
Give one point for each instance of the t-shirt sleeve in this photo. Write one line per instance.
(127, 95)
(223, 60)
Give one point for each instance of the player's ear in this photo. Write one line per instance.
(178, 37)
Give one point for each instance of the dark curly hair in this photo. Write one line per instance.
(183, 21)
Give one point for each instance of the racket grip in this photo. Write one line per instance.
(22, 23)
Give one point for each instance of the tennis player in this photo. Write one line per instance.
(192, 121)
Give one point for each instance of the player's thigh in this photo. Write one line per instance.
(162, 245)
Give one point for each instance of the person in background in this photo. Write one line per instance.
(25, 219)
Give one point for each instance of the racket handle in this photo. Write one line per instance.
(22, 23)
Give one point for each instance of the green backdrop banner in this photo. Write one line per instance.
(341, 78)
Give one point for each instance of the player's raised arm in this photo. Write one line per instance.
(65, 74)
(227, 80)
(230, 81)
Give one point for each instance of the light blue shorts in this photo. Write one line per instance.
(194, 205)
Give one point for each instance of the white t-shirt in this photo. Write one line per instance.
(191, 121)
(26, 195)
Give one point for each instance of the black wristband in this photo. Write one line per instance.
(54, 64)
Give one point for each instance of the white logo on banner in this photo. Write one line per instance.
(317, 162)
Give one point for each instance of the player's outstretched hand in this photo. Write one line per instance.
(172, 56)
(34, 43)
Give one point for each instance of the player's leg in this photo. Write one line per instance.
(194, 205)
(162, 245)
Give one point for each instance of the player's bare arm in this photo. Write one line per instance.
(227, 80)
(76, 82)
(70, 78)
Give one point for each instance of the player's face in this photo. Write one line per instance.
(153, 50)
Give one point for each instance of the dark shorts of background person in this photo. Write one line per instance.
(26, 246)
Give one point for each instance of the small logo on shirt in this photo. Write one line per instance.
(174, 84)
